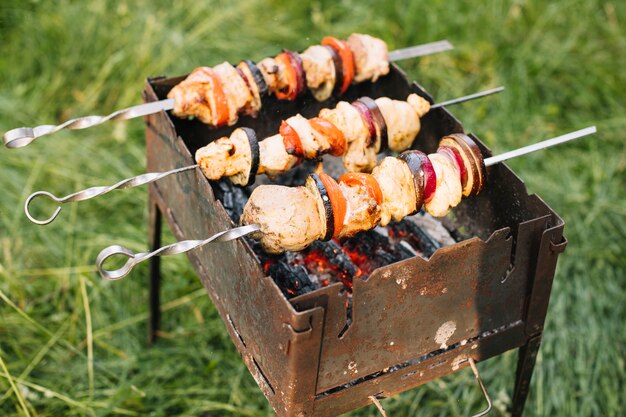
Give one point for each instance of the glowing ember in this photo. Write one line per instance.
(316, 263)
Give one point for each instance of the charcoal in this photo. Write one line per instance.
(295, 176)
(406, 251)
(296, 273)
(233, 197)
(437, 229)
(416, 237)
(326, 262)
(372, 249)
(336, 256)
(292, 280)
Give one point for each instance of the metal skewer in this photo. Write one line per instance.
(22, 136)
(93, 192)
(468, 98)
(173, 249)
(187, 245)
(143, 179)
(541, 145)
(419, 50)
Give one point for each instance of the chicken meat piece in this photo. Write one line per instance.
(273, 74)
(237, 92)
(347, 119)
(403, 122)
(274, 159)
(289, 217)
(396, 183)
(269, 69)
(419, 104)
(198, 75)
(191, 96)
(370, 57)
(190, 99)
(227, 157)
(314, 144)
(320, 71)
(449, 190)
(362, 211)
(359, 157)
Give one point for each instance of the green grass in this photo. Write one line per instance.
(72, 344)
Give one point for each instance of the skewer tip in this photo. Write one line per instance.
(18, 138)
(492, 160)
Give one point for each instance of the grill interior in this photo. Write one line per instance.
(325, 263)
(336, 324)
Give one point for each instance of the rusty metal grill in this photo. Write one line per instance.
(412, 321)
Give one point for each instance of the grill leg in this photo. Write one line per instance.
(154, 241)
(525, 366)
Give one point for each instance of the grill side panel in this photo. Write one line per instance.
(279, 345)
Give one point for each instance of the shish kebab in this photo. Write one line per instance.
(218, 95)
(357, 131)
(286, 218)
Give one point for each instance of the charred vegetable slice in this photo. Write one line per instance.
(314, 183)
(337, 201)
(255, 154)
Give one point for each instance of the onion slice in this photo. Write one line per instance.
(421, 167)
(472, 158)
(296, 62)
(368, 120)
(379, 120)
(455, 156)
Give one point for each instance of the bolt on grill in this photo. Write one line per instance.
(326, 330)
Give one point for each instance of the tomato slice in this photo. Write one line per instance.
(335, 136)
(291, 91)
(206, 75)
(347, 60)
(337, 201)
(298, 67)
(291, 140)
(221, 102)
(366, 180)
